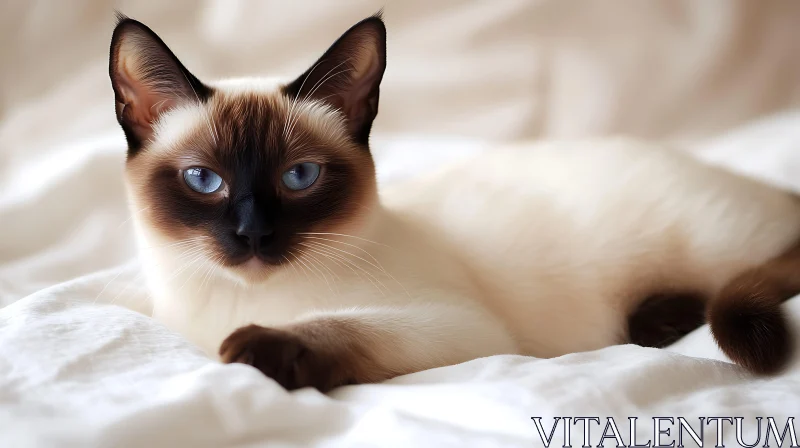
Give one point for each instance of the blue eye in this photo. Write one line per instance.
(202, 180)
(301, 176)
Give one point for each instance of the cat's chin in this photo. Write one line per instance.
(251, 271)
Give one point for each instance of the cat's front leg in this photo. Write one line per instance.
(331, 349)
(289, 356)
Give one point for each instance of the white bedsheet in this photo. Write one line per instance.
(76, 373)
(79, 367)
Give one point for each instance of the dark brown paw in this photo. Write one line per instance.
(282, 356)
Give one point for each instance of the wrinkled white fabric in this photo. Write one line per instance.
(77, 373)
(82, 365)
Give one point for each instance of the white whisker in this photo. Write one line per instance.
(176, 244)
(132, 215)
(213, 266)
(107, 284)
(345, 235)
(294, 269)
(193, 273)
(303, 268)
(347, 244)
(317, 271)
(378, 267)
(327, 268)
(348, 253)
(355, 265)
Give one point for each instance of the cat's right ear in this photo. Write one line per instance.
(148, 80)
(348, 76)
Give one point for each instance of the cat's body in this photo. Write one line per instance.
(557, 257)
(567, 238)
(540, 250)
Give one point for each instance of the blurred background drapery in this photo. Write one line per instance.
(505, 69)
(477, 71)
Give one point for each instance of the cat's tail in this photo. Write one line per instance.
(746, 317)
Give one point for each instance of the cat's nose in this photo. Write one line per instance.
(254, 229)
(257, 239)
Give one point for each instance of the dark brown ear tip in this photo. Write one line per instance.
(376, 18)
(375, 24)
(123, 21)
(753, 333)
(120, 17)
(125, 25)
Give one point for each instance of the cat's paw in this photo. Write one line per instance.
(282, 356)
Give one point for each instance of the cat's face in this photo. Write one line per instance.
(242, 172)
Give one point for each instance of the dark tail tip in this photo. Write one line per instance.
(749, 325)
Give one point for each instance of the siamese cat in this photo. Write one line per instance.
(265, 241)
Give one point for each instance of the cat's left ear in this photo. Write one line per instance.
(348, 76)
(148, 80)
